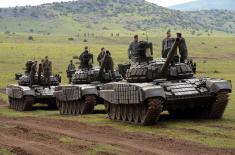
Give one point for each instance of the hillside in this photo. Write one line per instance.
(206, 5)
(98, 17)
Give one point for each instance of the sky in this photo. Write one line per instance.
(13, 3)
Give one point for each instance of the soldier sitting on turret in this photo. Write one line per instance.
(86, 59)
(182, 48)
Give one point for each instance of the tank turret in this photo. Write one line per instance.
(146, 69)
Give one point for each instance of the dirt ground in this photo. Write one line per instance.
(30, 135)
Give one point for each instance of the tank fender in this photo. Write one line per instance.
(29, 93)
(216, 85)
(153, 91)
(89, 90)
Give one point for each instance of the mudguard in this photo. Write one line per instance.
(216, 85)
(153, 91)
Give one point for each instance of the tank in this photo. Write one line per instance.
(81, 96)
(22, 97)
(153, 86)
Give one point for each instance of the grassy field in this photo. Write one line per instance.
(215, 58)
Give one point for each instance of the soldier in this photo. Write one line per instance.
(167, 44)
(107, 65)
(33, 71)
(47, 71)
(182, 48)
(100, 57)
(40, 72)
(132, 47)
(86, 59)
(70, 70)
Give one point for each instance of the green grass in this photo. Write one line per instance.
(15, 50)
(103, 149)
(66, 140)
(4, 152)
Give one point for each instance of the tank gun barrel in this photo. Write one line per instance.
(170, 56)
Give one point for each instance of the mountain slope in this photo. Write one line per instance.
(111, 16)
(206, 5)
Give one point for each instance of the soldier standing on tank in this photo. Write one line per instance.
(33, 71)
(86, 59)
(107, 65)
(70, 70)
(47, 71)
(132, 48)
(182, 48)
(167, 43)
(100, 57)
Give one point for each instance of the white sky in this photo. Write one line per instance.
(13, 3)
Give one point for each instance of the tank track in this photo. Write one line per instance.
(77, 107)
(214, 111)
(219, 105)
(136, 113)
(24, 104)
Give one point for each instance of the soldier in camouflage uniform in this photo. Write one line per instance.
(107, 65)
(131, 50)
(100, 57)
(167, 44)
(40, 72)
(86, 59)
(33, 71)
(70, 70)
(47, 71)
(182, 48)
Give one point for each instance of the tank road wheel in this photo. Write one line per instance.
(123, 112)
(152, 113)
(74, 107)
(118, 112)
(218, 106)
(10, 100)
(112, 111)
(136, 113)
(87, 106)
(106, 105)
(28, 103)
(130, 113)
(61, 107)
(90, 103)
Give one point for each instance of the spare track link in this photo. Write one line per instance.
(137, 113)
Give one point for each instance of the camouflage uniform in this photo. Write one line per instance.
(47, 71)
(33, 71)
(100, 57)
(131, 50)
(86, 60)
(107, 66)
(40, 72)
(70, 71)
(166, 46)
(183, 50)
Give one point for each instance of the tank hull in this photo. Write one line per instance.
(142, 103)
(76, 99)
(22, 98)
